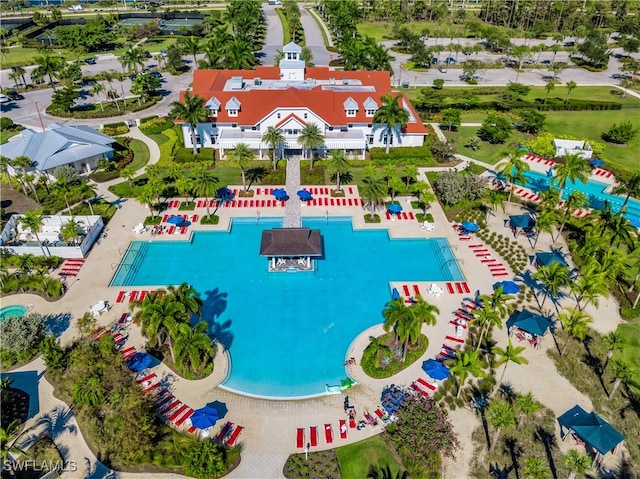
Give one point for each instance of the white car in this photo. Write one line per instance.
(4, 98)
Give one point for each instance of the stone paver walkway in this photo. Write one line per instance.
(292, 207)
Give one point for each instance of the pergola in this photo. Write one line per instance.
(291, 248)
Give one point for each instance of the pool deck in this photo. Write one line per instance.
(270, 425)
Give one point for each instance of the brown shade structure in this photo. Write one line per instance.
(291, 242)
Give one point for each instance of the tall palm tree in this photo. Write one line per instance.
(500, 415)
(629, 188)
(146, 196)
(186, 295)
(574, 169)
(190, 46)
(622, 373)
(487, 317)
(96, 89)
(554, 277)
(191, 111)
(275, 139)
(408, 331)
(575, 201)
(193, 345)
(545, 222)
(48, 66)
(507, 355)
(128, 173)
(339, 164)
(570, 87)
(204, 182)
(575, 323)
(535, 468)
(184, 185)
(240, 55)
(373, 191)
(577, 462)
(132, 59)
(242, 156)
(8, 438)
(465, 364)
(395, 311)
(614, 343)
(495, 199)
(526, 405)
(590, 285)
(33, 220)
(384, 472)
(378, 348)
(311, 137)
(392, 116)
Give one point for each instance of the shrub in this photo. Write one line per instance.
(113, 129)
(451, 187)
(155, 125)
(166, 149)
(620, 133)
(495, 129)
(401, 152)
(21, 336)
(6, 123)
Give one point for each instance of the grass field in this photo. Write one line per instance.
(630, 332)
(355, 459)
(487, 152)
(140, 154)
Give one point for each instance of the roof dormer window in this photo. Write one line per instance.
(370, 107)
(350, 107)
(351, 112)
(232, 112)
(233, 106)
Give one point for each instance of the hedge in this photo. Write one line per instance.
(113, 129)
(155, 125)
(401, 153)
(166, 149)
(110, 110)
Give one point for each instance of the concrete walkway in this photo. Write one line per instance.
(293, 205)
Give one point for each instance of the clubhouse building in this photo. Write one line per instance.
(243, 104)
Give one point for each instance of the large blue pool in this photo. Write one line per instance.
(594, 190)
(288, 333)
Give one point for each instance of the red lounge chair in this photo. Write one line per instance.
(450, 288)
(149, 377)
(459, 288)
(165, 218)
(178, 412)
(481, 252)
(127, 353)
(475, 246)
(406, 291)
(388, 215)
(416, 290)
(465, 286)
(257, 191)
(411, 215)
(234, 436)
(455, 340)
(199, 204)
(456, 323)
(282, 203)
(313, 433)
(66, 272)
(497, 275)
(449, 348)
(191, 430)
(462, 317)
(143, 294)
(168, 407)
(417, 389)
(162, 401)
(120, 297)
(488, 260)
(405, 216)
(183, 230)
(328, 433)
(194, 218)
(184, 417)
(343, 429)
(427, 384)
(132, 296)
(465, 238)
(379, 413)
(300, 438)
(352, 423)
(224, 431)
(151, 388)
(172, 229)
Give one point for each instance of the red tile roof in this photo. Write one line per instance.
(256, 104)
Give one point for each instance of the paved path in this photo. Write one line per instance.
(274, 38)
(313, 38)
(293, 205)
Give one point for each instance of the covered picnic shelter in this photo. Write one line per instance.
(291, 248)
(547, 258)
(528, 325)
(590, 429)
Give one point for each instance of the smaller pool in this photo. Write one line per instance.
(13, 310)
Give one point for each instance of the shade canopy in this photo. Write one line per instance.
(395, 294)
(175, 220)
(508, 287)
(435, 369)
(635, 222)
(591, 428)
(394, 208)
(596, 162)
(304, 195)
(224, 192)
(470, 226)
(204, 418)
(529, 322)
(546, 259)
(138, 362)
(521, 221)
(291, 242)
(280, 194)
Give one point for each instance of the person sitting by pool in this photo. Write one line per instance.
(350, 361)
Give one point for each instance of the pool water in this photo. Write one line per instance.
(288, 333)
(13, 310)
(594, 190)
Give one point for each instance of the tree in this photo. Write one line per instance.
(378, 348)
(507, 355)
(33, 220)
(554, 277)
(548, 87)
(392, 117)
(571, 85)
(96, 89)
(373, 190)
(52, 353)
(191, 111)
(500, 415)
(410, 172)
(395, 311)
(465, 364)
(193, 345)
(526, 405)
(486, 317)
(575, 323)
(384, 472)
(620, 133)
(275, 139)
(64, 99)
(8, 438)
(534, 468)
(495, 128)
(452, 117)
(311, 137)
(631, 187)
(623, 374)
(514, 168)
(242, 156)
(145, 85)
(190, 46)
(47, 66)
(577, 462)
(531, 121)
(339, 164)
(470, 68)
(132, 59)
(614, 343)
(128, 173)
(184, 185)
(521, 53)
(595, 49)
(573, 169)
(204, 182)
(575, 201)
(205, 459)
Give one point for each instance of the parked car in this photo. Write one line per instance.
(450, 60)
(133, 77)
(14, 95)
(434, 61)
(156, 75)
(546, 62)
(442, 69)
(164, 53)
(90, 61)
(4, 98)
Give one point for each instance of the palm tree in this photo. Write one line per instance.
(549, 86)
(494, 199)
(204, 182)
(395, 311)
(408, 330)
(575, 323)
(338, 163)
(392, 116)
(487, 317)
(49, 66)
(184, 185)
(535, 468)
(191, 46)
(573, 169)
(128, 172)
(622, 373)
(575, 201)
(311, 137)
(378, 347)
(395, 185)
(33, 220)
(410, 172)
(186, 295)
(509, 354)
(240, 55)
(613, 340)
(514, 168)
(577, 462)
(570, 87)
(545, 222)
(275, 139)
(631, 187)
(146, 196)
(500, 415)
(242, 157)
(423, 192)
(69, 231)
(526, 405)
(554, 277)
(8, 438)
(466, 363)
(384, 472)
(132, 59)
(373, 191)
(193, 344)
(590, 285)
(191, 111)
(96, 89)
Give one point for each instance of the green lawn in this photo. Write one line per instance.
(140, 154)
(630, 353)
(487, 152)
(355, 459)
(5, 135)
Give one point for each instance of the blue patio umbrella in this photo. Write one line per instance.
(550, 172)
(470, 226)
(508, 287)
(304, 195)
(138, 362)
(395, 294)
(596, 162)
(175, 220)
(280, 194)
(547, 258)
(394, 208)
(635, 222)
(520, 221)
(223, 192)
(204, 418)
(435, 369)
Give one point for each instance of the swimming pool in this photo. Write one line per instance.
(288, 333)
(13, 310)
(594, 190)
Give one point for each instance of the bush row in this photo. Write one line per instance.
(108, 112)
(113, 129)
(555, 104)
(155, 125)
(400, 153)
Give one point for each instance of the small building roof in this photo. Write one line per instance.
(291, 242)
(370, 104)
(213, 104)
(232, 104)
(292, 47)
(591, 428)
(350, 104)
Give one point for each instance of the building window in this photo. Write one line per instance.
(197, 139)
(351, 112)
(213, 112)
(233, 112)
(278, 116)
(214, 139)
(385, 138)
(370, 113)
(234, 125)
(370, 139)
(330, 128)
(305, 116)
(253, 128)
(350, 125)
